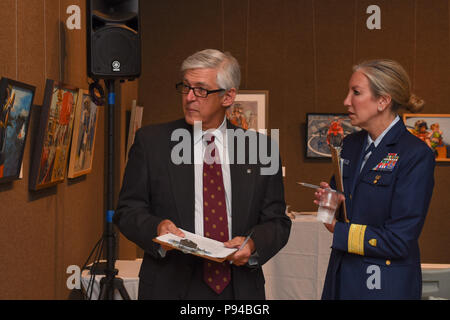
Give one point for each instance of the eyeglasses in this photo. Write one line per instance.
(198, 91)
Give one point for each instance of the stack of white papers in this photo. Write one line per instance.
(205, 246)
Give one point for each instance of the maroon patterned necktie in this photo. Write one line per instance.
(215, 223)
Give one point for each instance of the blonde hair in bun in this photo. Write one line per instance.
(415, 103)
(389, 78)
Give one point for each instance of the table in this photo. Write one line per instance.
(434, 266)
(128, 271)
(435, 281)
(298, 271)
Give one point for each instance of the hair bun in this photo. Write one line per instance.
(415, 103)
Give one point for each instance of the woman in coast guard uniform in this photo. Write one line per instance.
(388, 182)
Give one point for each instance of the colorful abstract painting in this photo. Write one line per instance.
(16, 100)
(83, 140)
(55, 133)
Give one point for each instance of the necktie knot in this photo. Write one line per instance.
(369, 149)
(211, 154)
(208, 138)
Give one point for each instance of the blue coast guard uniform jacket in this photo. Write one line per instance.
(375, 252)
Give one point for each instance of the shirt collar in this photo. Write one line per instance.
(218, 133)
(381, 136)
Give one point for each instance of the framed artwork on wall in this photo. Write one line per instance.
(433, 129)
(320, 128)
(83, 138)
(16, 100)
(250, 110)
(51, 150)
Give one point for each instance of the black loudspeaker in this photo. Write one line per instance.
(113, 39)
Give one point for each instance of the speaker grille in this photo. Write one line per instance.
(115, 52)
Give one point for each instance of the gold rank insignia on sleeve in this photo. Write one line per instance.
(373, 242)
(356, 239)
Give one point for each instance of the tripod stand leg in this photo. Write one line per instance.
(107, 288)
(103, 289)
(110, 287)
(120, 286)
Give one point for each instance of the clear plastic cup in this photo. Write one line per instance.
(327, 206)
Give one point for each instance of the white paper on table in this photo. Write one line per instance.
(213, 248)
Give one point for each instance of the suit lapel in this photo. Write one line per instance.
(355, 161)
(241, 195)
(242, 186)
(183, 185)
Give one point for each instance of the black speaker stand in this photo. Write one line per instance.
(110, 282)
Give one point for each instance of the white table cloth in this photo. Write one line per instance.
(128, 271)
(298, 271)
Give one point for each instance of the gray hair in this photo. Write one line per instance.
(228, 71)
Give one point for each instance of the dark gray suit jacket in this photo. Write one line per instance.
(154, 189)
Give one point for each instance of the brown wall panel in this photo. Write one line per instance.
(331, 28)
(51, 40)
(432, 83)
(31, 45)
(29, 229)
(432, 69)
(8, 38)
(44, 232)
(266, 55)
(334, 38)
(235, 33)
(299, 98)
(395, 39)
(74, 46)
(173, 31)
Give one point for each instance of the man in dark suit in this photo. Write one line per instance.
(225, 199)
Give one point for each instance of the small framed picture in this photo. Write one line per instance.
(433, 129)
(83, 138)
(16, 100)
(51, 150)
(250, 110)
(320, 128)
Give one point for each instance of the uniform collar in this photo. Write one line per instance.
(381, 136)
